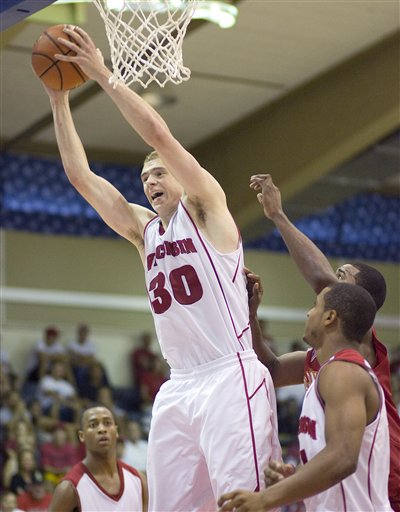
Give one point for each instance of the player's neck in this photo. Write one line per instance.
(101, 465)
(334, 343)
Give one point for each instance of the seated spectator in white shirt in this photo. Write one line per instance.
(45, 351)
(135, 447)
(82, 351)
(57, 394)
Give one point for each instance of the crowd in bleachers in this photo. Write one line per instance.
(40, 412)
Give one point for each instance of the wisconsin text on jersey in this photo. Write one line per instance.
(174, 248)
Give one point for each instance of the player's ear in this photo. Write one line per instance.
(330, 317)
(81, 436)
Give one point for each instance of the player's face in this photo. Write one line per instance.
(315, 321)
(347, 273)
(161, 188)
(99, 432)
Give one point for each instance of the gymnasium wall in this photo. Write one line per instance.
(66, 280)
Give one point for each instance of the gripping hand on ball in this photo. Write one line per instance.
(88, 57)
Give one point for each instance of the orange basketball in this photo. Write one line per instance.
(54, 73)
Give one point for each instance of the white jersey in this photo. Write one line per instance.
(198, 296)
(366, 489)
(92, 497)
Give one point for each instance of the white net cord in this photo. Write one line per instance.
(146, 38)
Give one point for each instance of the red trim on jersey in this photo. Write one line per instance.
(253, 441)
(215, 272)
(80, 469)
(147, 225)
(236, 271)
(343, 496)
(263, 383)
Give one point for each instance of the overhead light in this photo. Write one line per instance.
(216, 11)
(221, 13)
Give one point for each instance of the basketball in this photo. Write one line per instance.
(54, 73)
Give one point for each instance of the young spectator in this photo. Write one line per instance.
(26, 470)
(35, 498)
(94, 379)
(106, 399)
(13, 409)
(141, 357)
(8, 502)
(135, 447)
(46, 351)
(58, 456)
(82, 352)
(57, 394)
(152, 379)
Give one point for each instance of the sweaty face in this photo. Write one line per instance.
(347, 273)
(161, 188)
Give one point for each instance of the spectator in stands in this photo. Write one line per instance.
(141, 357)
(57, 394)
(13, 409)
(96, 378)
(152, 379)
(7, 369)
(135, 447)
(8, 502)
(26, 470)
(58, 456)
(82, 351)
(35, 498)
(43, 425)
(106, 399)
(46, 351)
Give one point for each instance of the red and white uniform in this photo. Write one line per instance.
(214, 424)
(92, 497)
(366, 489)
(382, 371)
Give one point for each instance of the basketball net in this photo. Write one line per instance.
(145, 39)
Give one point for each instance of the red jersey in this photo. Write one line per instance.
(93, 497)
(382, 371)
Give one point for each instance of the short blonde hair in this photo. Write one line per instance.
(151, 156)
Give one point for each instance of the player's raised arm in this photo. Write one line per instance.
(196, 181)
(124, 218)
(285, 370)
(311, 262)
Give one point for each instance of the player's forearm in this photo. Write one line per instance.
(140, 115)
(325, 470)
(311, 262)
(72, 153)
(264, 353)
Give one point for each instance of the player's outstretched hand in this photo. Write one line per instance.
(277, 471)
(242, 501)
(268, 194)
(88, 57)
(255, 291)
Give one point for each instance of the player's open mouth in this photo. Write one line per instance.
(156, 195)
